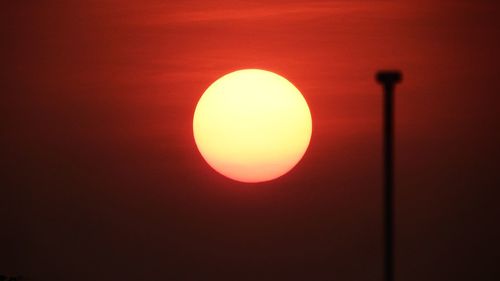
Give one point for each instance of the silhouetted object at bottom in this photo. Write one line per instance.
(388, 79)
(11, 278)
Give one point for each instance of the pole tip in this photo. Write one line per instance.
(389, 76)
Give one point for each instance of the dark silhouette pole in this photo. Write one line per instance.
(388, 79)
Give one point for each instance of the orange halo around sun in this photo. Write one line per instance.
(252, 125)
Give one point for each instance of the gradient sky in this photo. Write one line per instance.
(101, 179)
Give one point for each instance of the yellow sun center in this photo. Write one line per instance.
(252, 125)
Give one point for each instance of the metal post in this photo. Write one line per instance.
(388, 79)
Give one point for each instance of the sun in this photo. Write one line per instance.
(252, 125)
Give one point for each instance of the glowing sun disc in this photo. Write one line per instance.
(252, 125)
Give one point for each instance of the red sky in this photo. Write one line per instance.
(101, 176)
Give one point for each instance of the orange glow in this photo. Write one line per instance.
(252, 125)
